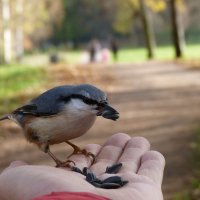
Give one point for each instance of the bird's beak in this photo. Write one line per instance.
(108, 112)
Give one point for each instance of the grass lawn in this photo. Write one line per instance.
(15, 83)
(126, 55)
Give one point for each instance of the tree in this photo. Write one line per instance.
(141, 9)
(1, 34)
(85, 19)
(7, 41)
(148, 29)
(20, 19)
(177, 29)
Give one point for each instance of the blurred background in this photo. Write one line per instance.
(144, 53)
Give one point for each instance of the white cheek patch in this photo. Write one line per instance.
(80, 105)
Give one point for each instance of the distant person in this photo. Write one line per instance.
(105, 55)
(114, 48)
(94, 48)
(54, 58)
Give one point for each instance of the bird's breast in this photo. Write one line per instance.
(61, 127)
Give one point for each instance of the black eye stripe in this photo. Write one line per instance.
(84, 99)
(89, 101)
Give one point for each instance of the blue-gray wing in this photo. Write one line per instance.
(46, 104)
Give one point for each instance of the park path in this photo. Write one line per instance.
(159, 101)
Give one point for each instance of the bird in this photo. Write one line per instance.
(61, 114)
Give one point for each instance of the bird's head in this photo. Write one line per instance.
(91, 99)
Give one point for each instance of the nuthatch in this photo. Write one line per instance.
(61, 114)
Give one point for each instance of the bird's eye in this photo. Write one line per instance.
(98, 107)
(103, 103)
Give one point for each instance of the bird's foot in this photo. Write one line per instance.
(67, 163)
(78, 150)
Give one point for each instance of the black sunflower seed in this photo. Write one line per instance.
(124, 183)
(90, 177)
(96, 184)
(113, 179)
(114, 168)
(86, 171)
(96, 180)
(110, 185)
(76, 169)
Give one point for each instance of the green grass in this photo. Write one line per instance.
(161, 53)
(182, 196)
(126, 55)
(16, 80)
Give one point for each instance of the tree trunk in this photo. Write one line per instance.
(177, 29)
(1, 38)
(148, 29)
(7, 36)
(19, 39)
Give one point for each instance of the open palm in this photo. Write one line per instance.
(142, 168)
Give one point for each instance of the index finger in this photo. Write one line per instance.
(152, 166)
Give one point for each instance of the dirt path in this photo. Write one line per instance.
(159, 101)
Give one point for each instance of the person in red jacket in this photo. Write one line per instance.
(141, 167)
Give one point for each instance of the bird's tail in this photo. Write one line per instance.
(4, 117)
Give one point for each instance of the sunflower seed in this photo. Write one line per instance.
(110, 185)
(113, 179)
(96, 184)
(90, 177)
(114, 168)
(98, 181)
(76, 169)
(124, 183)
(86, 171)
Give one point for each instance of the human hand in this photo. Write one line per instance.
(141, 167)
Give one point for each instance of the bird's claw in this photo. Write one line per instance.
(89, 154)
(66, 164)
(84, 152)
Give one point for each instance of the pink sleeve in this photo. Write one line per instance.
(70, 196)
